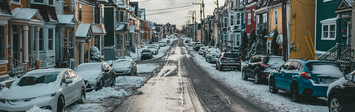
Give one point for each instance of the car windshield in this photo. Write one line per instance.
(88, 67)
(327, 69)
(122, 62)
(38, 78)
(231, 56)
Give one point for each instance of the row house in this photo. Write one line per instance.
(117, 25)
(48, 33)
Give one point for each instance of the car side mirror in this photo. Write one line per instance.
(67, 81)
(349, 77)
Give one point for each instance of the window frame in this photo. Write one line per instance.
(80, 13)
(328, 31)
(97, 15)
(231, 20)
(50, 39)
(238, 18)
(238, 40)
(276, 17)
(249, 18)
(41, 40)
(2, 43)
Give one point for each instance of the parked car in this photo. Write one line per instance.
(198, 46)
(211, 49)
(157, 44)
(201, 51)
(212, 57)
(194, 45)
(96, 75)
(153, 48)
(162, 43)
(304, 78)
(146, 54)
(341, 94)
(125, 67)
(52, 89)
(235, 49)
(228, 60)
(260, 66)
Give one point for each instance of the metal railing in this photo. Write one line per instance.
(16, 68)
(339, 53)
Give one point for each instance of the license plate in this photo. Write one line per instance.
(327, 81)
(231, 60)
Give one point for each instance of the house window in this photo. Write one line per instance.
(18, 1)
(265, 18)
(41, 41)
(97, 15)
(225, 22)
(238, 40)
(276, 17)
(80, 12)
(121, 17)
(249, 18)
(50, 39)
(50, 2)
(232, 20)
(328, 31)
(238, 18)
(224, 38)
(38, 1)
(2, 43)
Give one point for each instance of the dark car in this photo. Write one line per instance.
(341, 94)
(305, 78)
(260, 66)
(146, 54)
(96, 75)
(228, 60)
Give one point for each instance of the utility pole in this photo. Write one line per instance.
(284, 30)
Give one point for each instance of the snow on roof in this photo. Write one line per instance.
(329, 20)
(98, 29)
(120, 4)
(120, 26)
(83, 30)
(66, 19)
(24, 13)
(349, 2)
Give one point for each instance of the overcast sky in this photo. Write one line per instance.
(174, 11)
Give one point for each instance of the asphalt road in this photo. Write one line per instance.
(182, 85)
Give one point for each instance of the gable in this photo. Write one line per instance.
(343, 5)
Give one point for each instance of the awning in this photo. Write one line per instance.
(26, 16)
(66, 19)
(84, 31)
(98, 30)
(271, 34)
(120, 26)
(47, 12)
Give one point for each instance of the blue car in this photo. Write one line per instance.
(302, 77)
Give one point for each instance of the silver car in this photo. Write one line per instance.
(125, 67)
(212, 57)
(52, 89)
(153, 48)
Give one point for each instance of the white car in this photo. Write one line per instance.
(153, 48)
(52, 89)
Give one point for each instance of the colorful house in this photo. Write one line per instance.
(4, 31)
(301, 40)
(250, 16)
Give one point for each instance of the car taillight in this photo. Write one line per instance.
(264, 65)
(223, 58)
(238, 59)
(306, 75)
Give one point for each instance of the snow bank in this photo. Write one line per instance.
(89, 107)
(259, 93)
(105, 93)
(37, 109)
(145, 68)
(130, 81)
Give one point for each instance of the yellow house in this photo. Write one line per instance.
(90, 29)
(301, 36)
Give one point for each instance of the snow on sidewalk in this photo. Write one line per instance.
(146, 68)
(258, 93)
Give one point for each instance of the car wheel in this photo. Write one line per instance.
(256, 78)
(335, 104)
(294, 93)
(243, 75)
(216, 66)
(61, 104)
(82, 97)
(272, 87)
